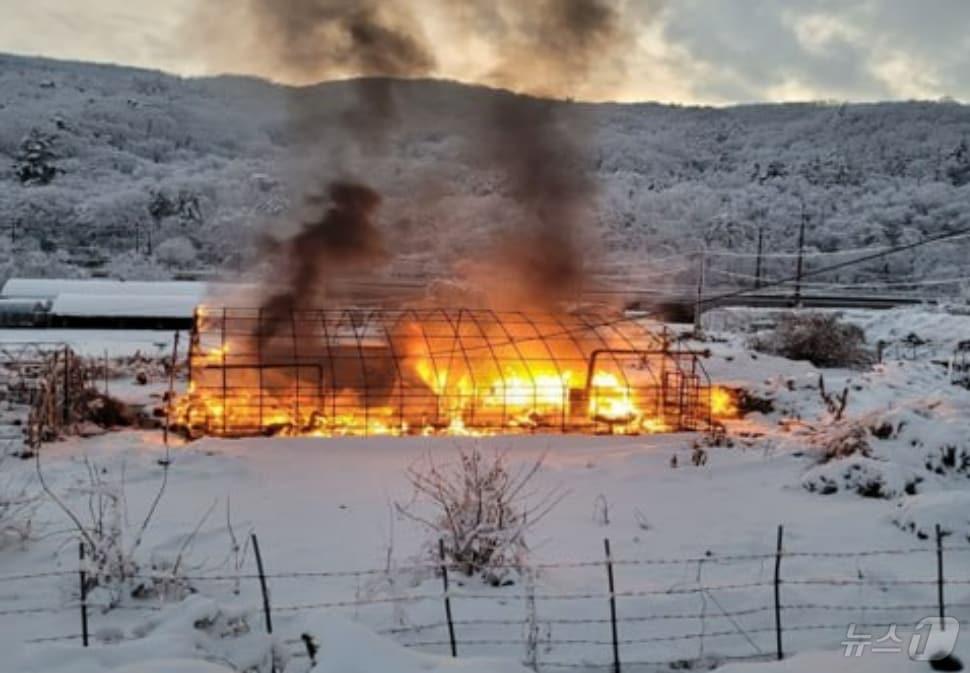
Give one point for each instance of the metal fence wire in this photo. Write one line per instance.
(631, 614)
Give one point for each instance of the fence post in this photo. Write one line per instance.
(262, 584)
(939, 574)
(67, 386)
(171, 391)
(609, 577)
(781, 654)
(444, 580)
(84, 593)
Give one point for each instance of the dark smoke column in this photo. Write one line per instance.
(343, 240)
(537, 47)
(313, 40)
(547, 48)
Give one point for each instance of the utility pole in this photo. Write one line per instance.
(801, 250)
(757, 268)
(700, 294)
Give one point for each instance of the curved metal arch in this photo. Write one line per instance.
(552, 358)
(362, 358)
(419, 325)
(382, 321)
(333, 372)
(458, 345)
(496, 360)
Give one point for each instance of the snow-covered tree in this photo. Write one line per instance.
(35, 159)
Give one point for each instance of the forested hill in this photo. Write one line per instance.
(134, 173)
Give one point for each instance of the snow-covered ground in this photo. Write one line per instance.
(694, 546)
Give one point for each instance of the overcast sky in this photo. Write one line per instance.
(686, 51)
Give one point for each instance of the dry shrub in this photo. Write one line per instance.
(842, 440)
(114, 564)
(481, 511)
(820, 338)
(17, 509)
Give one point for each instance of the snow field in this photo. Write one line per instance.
(693, 547)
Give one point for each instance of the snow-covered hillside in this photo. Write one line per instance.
(143, 174)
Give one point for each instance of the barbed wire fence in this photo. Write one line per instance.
(649, 613)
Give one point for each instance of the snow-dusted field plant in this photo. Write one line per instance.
(112, 546)
(481, 510)
(17, 508)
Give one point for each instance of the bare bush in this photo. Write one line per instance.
(601, 511)
(112, 559)
(481, 510)
(842, 440)
(17, 508)
(820, 338)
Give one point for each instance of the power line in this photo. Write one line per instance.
(880, 252)
(727, 295)
(807, 254)
(861, 284)
(842, 265)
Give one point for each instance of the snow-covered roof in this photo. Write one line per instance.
(102, 297)
(127, 305)
(48, 288)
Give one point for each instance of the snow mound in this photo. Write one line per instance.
(199, 635)
(919, 514)
(347, 647)
(835, 660)
(184, 638)
(864, 476)
(173, 666)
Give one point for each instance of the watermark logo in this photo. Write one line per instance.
(933, 638)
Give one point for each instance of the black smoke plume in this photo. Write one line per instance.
(549, 48)
(342, 241)
(538, 47)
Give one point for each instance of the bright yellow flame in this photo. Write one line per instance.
(723, 403)
(609, 400)
(216, 355)
(459, 399)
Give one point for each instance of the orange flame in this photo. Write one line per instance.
(428, 393)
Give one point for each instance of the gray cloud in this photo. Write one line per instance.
(748, 50)
(692, 51)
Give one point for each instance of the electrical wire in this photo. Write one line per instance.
(728, 295)
(841, 265)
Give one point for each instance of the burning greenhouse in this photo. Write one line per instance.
(430, 371)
